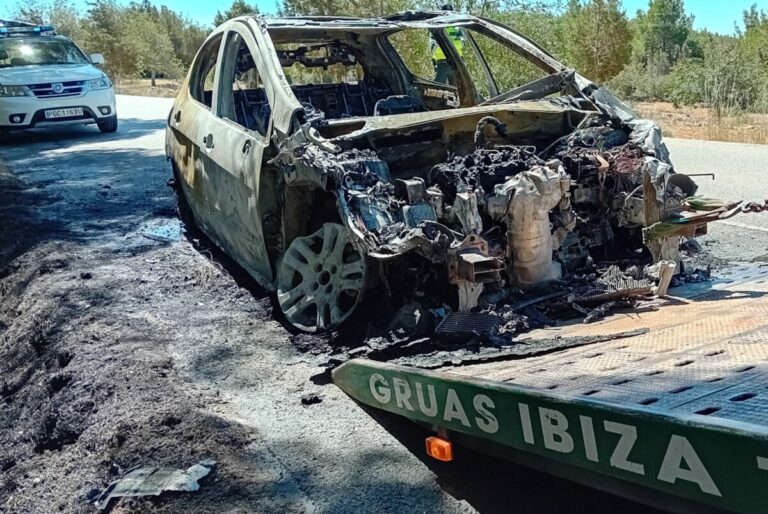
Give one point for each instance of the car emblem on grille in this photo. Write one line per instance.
(58, 87)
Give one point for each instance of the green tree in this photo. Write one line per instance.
(540, 21)
(59, 13)
(104, 32)
(661, 34)
(238, 8)
(755, 34)
(137, 40)
(754, 46)
(599, 41)
(155, 52)
(186, 35)
(724, 79)
(33, 11)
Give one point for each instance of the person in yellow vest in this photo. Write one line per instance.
(443, 71)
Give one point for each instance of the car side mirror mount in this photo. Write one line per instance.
(97, 59)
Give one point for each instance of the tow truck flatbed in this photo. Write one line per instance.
(680, 409)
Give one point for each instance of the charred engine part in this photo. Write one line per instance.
(612, 285)
(466, 211)
(523, 203)
(573, 252)
(477, 268)
(419, 207)
(600, 137)
(469, 295)
(470, 267)
(481, 169)
(666, 271)
(462, 325)
(365, 184)
(430, 240)
(501, 129)
(613, 289)
(436, 200)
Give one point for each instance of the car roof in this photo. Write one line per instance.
(285, 27)
(398, 20)
(306, 28)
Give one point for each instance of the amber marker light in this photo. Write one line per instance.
(439, 449)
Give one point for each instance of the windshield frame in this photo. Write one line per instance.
(69, 49)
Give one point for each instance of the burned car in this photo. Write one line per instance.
(333, 160)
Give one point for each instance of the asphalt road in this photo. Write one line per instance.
(334, 456)
(741, 173)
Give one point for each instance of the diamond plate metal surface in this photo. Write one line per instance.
(702, 350)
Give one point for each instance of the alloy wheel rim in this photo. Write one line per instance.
(321, 279)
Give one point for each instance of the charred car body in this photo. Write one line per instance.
(320, 156)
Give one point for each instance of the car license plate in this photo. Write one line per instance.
(63, 113)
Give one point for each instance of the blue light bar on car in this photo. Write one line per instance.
(21, 28)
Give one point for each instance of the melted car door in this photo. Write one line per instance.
(233, 142)
(188, 124)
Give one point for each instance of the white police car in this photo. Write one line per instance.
(47, 81)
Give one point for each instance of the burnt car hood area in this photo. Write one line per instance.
(486, 207)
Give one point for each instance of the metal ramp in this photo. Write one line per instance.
(697, 353)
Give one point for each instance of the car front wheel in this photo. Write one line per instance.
(109, 125)
(321, 279)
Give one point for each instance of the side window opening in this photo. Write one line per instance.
(428, 56)
(201, 84)
(508, 68)
(424, 55)
(242, 97)
(415, 48)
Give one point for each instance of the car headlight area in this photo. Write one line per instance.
(13, 91)
(99, 83)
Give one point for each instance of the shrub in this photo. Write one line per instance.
(725, 80)
(636, 83)
(686, 83)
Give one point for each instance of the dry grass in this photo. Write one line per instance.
(142, 87)
(705, 123)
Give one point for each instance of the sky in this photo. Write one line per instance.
(713, 15)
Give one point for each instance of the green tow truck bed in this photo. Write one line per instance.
(680, 409)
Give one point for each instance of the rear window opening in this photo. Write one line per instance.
(332, 79)
(325, 63)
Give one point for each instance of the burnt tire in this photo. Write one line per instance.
(109, 125)
(321, 279)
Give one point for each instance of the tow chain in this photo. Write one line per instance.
(749, 207)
